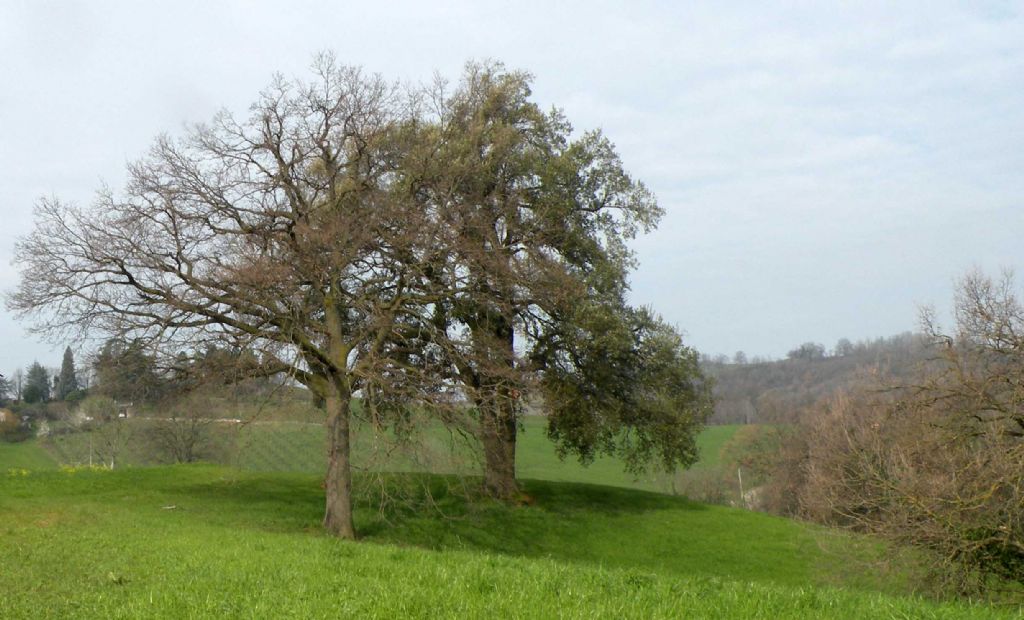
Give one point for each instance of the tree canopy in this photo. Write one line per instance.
(6, 389)
(37, 384)
(535, 249)
(416, 247)
(126, 372)
(67, 380)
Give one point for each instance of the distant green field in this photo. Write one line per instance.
(300, 447)
(711, 441)
(214, 542)
(537, 459)
(24, 455)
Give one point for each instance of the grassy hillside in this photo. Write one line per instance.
(537, 459)
(25, 455)
(205, 541)
(299, 447)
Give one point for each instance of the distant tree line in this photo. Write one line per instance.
(126, 372)
(37, 384)
(179, 404)
(776, 391)
(812, 351)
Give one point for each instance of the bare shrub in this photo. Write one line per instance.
(110, 435)
(895, 467)
(712, 485)
(937, 463)
(185, 434)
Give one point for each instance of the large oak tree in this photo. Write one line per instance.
(281, 233)
(533, 278)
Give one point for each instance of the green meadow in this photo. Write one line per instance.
(244, 541)
(292, 446)
(25, 455)
(212, 542)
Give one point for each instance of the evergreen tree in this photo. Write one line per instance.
(6, 389)
(37, 384)
(125, 372)
(67, 383)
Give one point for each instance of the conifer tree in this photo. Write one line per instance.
(67, 383)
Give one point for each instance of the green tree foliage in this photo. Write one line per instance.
(620, 381)
(126, 372)
(6, 390)
(37, 384)
(67, 381)
(534, 261)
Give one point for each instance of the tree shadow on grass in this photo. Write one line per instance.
(563, 497)
(557, 519)
(266, 502)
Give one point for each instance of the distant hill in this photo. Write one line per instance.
(771, 391)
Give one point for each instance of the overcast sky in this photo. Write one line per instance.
(824, 169)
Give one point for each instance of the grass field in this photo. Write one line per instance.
(25, 455)
(299, 447)
(213, 542)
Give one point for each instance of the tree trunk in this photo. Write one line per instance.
(498, 436)
(498, 422)
(338, 484)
